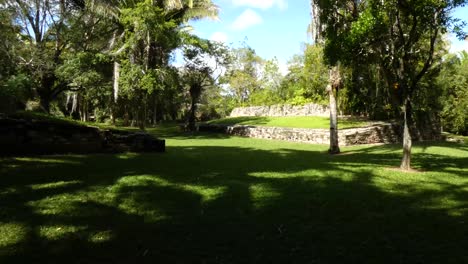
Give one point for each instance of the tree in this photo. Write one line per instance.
(327, 24)
(151, 31)
(204, 63)
(454, 82)
(45, 36)
(13, 84)
(401, 37)
(243, 74)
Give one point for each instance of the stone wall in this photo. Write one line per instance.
(28, 137)
(382, 133)
(282, 110)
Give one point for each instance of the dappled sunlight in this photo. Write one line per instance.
(449, 204)
(62, 204)
(9, 191)
(126, 156)
(12, 233)
(101, 237)
(53, 185)
(46, 160)
(245, 199)
(263, 195)
(208, 194)
(58, 232)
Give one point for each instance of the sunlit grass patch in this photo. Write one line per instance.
(101, 237)
(262, 195)
(45, 160)
(63, 204)
(12, 233)
(58, 232)
(53, 185)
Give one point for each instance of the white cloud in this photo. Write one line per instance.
(262, 4)
(219, 37)
(457, 46)
(247, 19)
(283, 68)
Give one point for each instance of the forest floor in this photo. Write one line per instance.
(214, 198)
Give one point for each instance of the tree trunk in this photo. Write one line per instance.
(407, 142)
(126, 121)
(84, 110)
(142, 115)
(191, 118)
(155, 111)
(74, 103)
(45, 104)
(332, 89)
(195, 92)
(116, 80)
(112, 115)
(334, 147)
(115, 94)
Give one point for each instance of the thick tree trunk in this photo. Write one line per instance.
(195, 92)
(191, 118)
(45, 104)
(332, 89)
(407, 142)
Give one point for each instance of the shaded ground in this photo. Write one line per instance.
(220, 199)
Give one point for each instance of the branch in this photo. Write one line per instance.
(430, 57)
(400, 30)
(413, 36)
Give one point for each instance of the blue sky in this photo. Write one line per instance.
(272, 27)
(458, 45)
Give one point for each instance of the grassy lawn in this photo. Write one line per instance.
(218, 199)
(292, 121)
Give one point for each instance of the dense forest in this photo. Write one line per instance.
(115, 61)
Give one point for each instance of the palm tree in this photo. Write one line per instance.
(156, 53)
(316, 29)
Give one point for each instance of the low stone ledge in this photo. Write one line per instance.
(39, 137)
(381, 133)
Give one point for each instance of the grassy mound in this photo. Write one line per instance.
(36, 116)
(293, 122)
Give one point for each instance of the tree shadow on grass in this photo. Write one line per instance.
(390, 155)
(174, 132)
(216, 204)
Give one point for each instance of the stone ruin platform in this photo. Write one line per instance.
(39, 137)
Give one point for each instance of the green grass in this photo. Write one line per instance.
(212, 198)
(458, 138)
(293, 121)
(36, 116)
